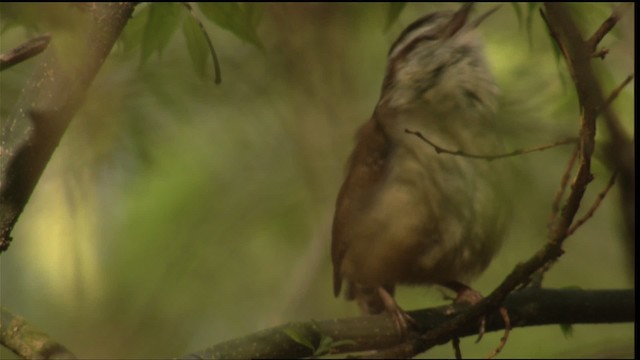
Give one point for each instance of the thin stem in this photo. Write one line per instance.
(439, 149)
(595, 205)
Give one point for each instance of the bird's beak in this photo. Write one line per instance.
(460, 17)
(482, 17)
(457, 21)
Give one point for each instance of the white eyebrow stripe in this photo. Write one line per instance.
(427, 25)
(408, 38)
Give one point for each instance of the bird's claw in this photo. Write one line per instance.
(402, 320)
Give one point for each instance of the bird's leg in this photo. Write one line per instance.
(465, 294)
(468, 295)
(400, 317)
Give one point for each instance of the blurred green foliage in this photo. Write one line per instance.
(241, 19)
(162, 22)
(176, 214)
(395, 8)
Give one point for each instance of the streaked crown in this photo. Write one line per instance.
(438, 59)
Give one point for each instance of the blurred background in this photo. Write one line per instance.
(176, 214)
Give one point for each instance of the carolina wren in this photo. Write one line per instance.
(405, 214)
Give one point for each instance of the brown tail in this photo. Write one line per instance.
(367, 297)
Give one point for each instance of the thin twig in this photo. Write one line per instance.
(555, 206)
(614, 94)
(439, 149)
(604, 29)
(595, 205)
(602, 53)
(24, 52)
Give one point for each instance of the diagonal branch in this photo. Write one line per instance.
(594, 207)
(50, 100)
(614, 94)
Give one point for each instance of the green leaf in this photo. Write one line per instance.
(212, 50)
(395, 8)
(324, 347)
(197, 45)
(327, 343)
(161, 25)
(343, 342)
(241, 19)
(299, 337)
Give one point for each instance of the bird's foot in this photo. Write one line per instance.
(470, 296)
(402, 320)
(465, 294)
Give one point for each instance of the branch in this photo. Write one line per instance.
(614, 94)
(594, 207)
(439, 149)
(50, 99)
(24, 52)
(529, 307)
(28, 342)
(601, 54)
(604, 29)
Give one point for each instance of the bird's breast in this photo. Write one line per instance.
(430, 218)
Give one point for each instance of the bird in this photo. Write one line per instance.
(406, 214)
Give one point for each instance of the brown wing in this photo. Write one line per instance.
(365, 170)
(338, 241)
